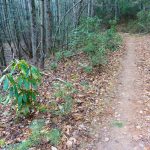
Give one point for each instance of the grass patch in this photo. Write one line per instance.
(38, 134)
(118, 124)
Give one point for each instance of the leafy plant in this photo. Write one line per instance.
(94, 43)
(53, 136)
(113, 40)
(21, 83)
(66, 107)
(37, 124)
(42, 108)
(144, 21)
(118, 124)
(88, 69)
(59, 56)
(54, 66)
(141, 24)
(2, 142)
(64, 92)
(37, 135)
(67, 54)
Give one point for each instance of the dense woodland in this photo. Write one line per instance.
(38, 40)
(39, 28)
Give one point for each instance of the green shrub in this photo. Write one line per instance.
(67, 54)
(2, 143)
(132, 26)
(113, 40)
(42, 108)
(94, 43)
(53, 65)
(37, 135)
(59, 56)
(140, 25)
(144, 21)
(84, 32)
(88, 69)
(64, 92)
(90, 40)
(53, 136)
(21, 83)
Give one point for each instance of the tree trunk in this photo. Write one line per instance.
(2, 55)
(58, 13)
(48, 25)
(116, 9)
(42, 36)
(79, 12)
(33, 29)
(74, 14)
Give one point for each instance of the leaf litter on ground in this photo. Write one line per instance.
(89, 105)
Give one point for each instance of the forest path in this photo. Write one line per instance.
(124, 131)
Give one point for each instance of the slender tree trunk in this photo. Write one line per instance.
(79, 12)
(33, 29)
(48, 25)
(116, 9)
(89, 8)
(74, 14)
(42, 36)
(6, 21)
(2, 54)
(58, 12)
(92, 8)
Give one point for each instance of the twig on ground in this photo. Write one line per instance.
(54, 79)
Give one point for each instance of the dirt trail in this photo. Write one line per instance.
(123, 132)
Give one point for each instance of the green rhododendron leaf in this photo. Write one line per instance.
(26, 84)
(20, 100)
(6, 84)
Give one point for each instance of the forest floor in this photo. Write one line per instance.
(111, 105)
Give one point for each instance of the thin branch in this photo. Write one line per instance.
(63, 20)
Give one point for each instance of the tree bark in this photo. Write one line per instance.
(79, 12)
(116, 9)
(42, 54)
(33, 29)
(74, 14)
(2, 54)
(48, 25)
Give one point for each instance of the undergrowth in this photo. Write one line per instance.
(38, 134)
(140, 25)
(21, 83)
(61, 105)
(88, 38)
(64, 96)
